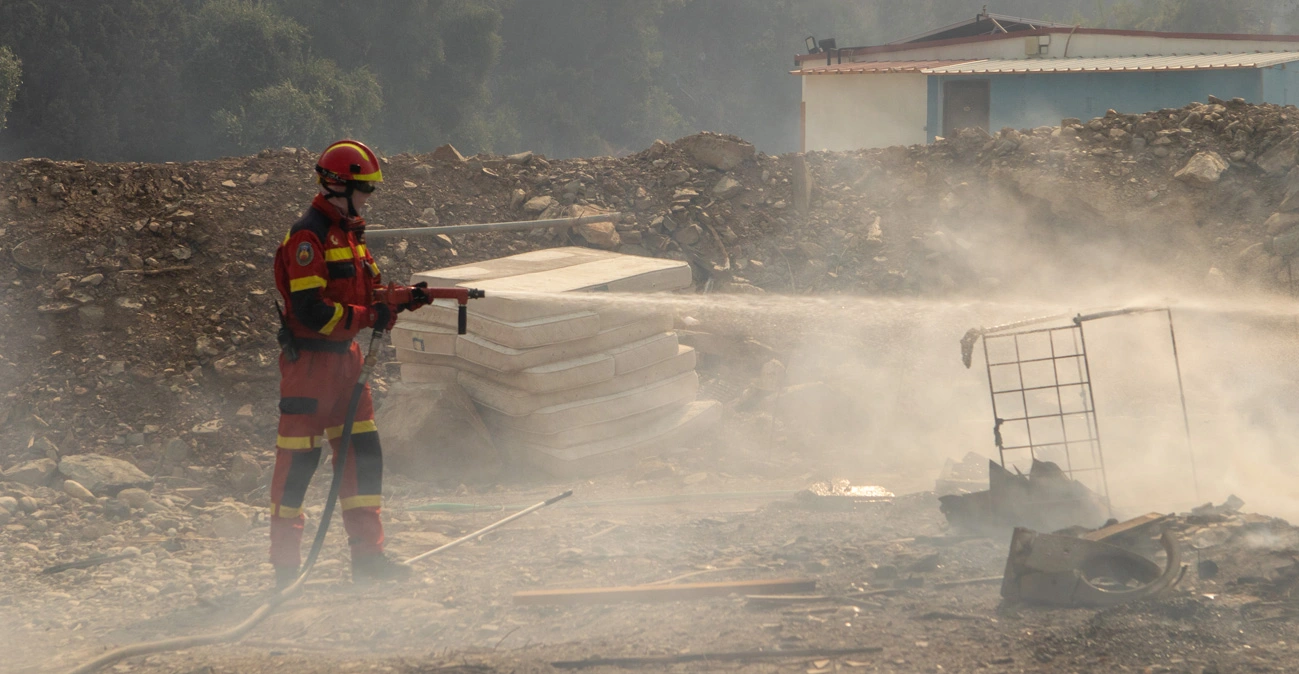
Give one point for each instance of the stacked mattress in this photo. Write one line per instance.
(572, 386)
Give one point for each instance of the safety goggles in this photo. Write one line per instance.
(363, 186)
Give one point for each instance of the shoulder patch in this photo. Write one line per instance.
(305, 255)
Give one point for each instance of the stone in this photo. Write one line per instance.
(203, 347)
(32, 473)
(5, 516)
(517, 197)
(656, 149)
(1280, 157)
(1203, 170)
(91, 280)
(1280, 223)
(1290, 202)
(771, 377)
(521, 159)
(716, 151)
(245, 474)
(727, 187)
(232, 524)
(600, 234)
(75, 490)
(228, 184)
(675, 177)
(448, 153)
(175, 450)
(8, 504)
(134, 498)
(538, 204)
(443, 241)
(28, 504)
(258, 179)
(429, 217)
(688, 235)
(103, 475)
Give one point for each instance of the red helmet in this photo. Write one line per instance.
(349, 161)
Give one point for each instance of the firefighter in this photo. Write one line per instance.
(327, 278)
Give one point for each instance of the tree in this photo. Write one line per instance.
(10, 76)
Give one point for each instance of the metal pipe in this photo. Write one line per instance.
(517, 225)
(490, 527)
(1186, 418)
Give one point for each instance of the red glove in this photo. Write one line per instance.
(380, 317)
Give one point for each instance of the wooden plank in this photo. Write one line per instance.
(1129, 526)
(648, 593)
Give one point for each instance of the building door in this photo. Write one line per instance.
(965, 105)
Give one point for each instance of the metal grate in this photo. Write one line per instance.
(1042, 404)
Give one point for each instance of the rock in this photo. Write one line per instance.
(656, 149)
(28, 504)
(675, 177)
(203, 347)
(8, 504)
(429, 216)
(75, 490)
(1280, 223)
(1290, 202)
(772, 376)
(258, 179)
(134, 498)
(232, 524)
(521, 159)
(600, 234)
(740, 288)
(91, 280)
(1203, 170)
(32, 473)
(517, 197)
(175, 451)
(245, 474)
(688, 235)
(443, 241)
(1280, 157)
(719, 152)
(5, 516)
(448, 153)
(228, 184)
(727, 187)
(538, 204)
(103, 475)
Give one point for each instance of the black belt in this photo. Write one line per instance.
(327, 345)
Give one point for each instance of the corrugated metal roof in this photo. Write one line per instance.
(1117, 63)
(868, 67)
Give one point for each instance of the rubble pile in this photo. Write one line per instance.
(140, 296)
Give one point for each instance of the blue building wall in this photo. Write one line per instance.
(1042, 99)
(1281, 84)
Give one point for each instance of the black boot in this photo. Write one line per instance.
(284, 577)
(374, 568)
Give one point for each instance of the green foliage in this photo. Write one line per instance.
(10, 76)
(318, 105)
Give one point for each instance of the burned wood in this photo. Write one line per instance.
(1130, 526)
(648, 660)
(648, 593)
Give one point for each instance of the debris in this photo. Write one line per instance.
(75, 490)
(1231, 505)
(772, 654)
(1044, 499)
(89, 562)
(842, 495)
(648, 593)
(969, 475)
(985, 580)
(447, 153)
(727, 187)
(538, 204)
(1067, 571)
(720, 152)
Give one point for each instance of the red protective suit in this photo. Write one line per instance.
(327, 278)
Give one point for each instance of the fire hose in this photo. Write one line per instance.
(461, 295)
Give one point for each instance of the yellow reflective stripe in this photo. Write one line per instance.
(367, 426)
(360, 250)
(367, 501)
(286, 238)
(307, 283)
(338, 316)
(296, 443)
(337, 254)
(374, 269)
(284, 511)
